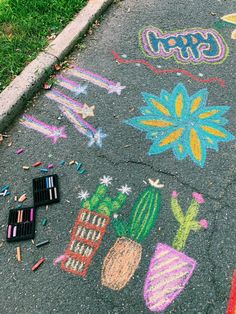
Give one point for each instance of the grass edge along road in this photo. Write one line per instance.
(26, 27)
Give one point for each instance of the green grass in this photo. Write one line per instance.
(25, 26)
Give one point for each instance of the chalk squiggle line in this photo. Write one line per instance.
(118, 58)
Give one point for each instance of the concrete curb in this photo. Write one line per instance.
(22, 88)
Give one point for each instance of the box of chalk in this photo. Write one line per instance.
(21, 224)
(46, 190)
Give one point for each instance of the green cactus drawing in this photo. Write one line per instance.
(124, 257)
(187, 222)
(143, 215)
(101, 203)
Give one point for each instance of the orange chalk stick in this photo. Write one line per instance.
(22, 198)
(18, 254)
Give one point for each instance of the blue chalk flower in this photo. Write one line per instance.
(182, 123)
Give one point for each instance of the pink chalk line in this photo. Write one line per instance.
(118, 58)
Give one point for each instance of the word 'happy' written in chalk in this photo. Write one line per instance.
(187, 46)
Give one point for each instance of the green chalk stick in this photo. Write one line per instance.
(44, 222)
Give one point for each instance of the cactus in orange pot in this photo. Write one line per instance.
(123, 258)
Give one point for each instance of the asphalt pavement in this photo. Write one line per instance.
(123, 155)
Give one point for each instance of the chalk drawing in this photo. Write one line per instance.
(233, 35)
(231, 19)
(90, 227)
(87, 236)
(182, 123)
(49, 131)
(70, 103)
(187, 222)
(96, 79)
(170, 270)
(168, 71)
(65, 82)
(124, 257)
(232, 297)
(95, 136)
(187, 46)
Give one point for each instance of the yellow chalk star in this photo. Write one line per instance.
(87, 111)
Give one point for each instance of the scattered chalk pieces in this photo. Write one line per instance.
(42, 243)
(43, 170)
(36, 266)
(18, 254)
(5, 187)
(50, 166)
(22, 198)
(20, 151)
(44, 222)
(82, 171)
(72, 162)
(38, 163)
(79, 166)
(25, 167)
(4, 190)
(62, 162)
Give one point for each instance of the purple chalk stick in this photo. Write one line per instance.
(20, 151)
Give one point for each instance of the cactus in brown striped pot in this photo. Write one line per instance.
(124, 257)
(91, 226)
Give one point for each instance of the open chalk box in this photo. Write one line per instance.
(45, 190)
(21, 224)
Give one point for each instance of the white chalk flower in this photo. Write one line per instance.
(83, 195)
(125, 189)
(106, 180)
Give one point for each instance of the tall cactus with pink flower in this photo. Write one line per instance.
(187, 222)
(170, 269)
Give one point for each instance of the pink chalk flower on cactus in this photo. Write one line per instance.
(175, 194)
(204, 223)
(198, 197)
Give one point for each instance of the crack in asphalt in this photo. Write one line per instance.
(188, 185)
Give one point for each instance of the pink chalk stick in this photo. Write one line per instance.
(20, 151)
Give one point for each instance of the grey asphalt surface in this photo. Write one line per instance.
(124, 157)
